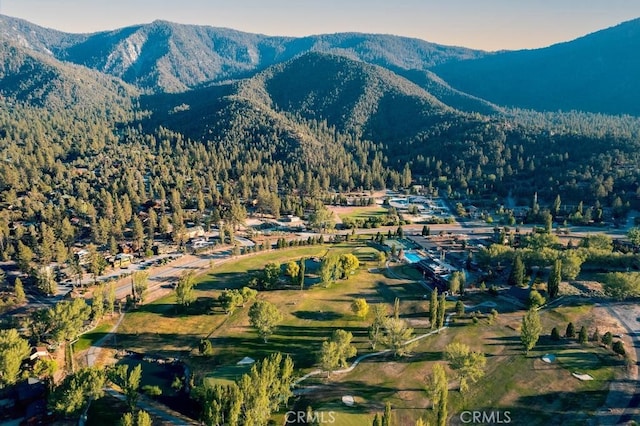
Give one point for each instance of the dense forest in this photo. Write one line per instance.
(88, 157)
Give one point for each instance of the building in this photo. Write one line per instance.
(437, 270)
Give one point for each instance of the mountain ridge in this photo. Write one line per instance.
(212, 54)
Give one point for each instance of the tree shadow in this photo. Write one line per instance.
(317, 316)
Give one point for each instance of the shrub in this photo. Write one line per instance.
(555, 334)
(152, 390)
(205, 347)
(571, 331)
(583, 337)
(618, 347)
(607, 338)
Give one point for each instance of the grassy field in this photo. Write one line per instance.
(534, 392)
(362, 212)
(86, 340)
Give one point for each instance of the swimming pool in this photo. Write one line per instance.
(412, 257)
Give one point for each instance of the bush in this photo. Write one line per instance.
(571, 331)
(152, 390)
(459, 308)
(618, 347)
(607, 338)
(583, 337)
(555, 334)
(205, 347)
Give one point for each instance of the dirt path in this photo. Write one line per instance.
(623, 401)
(94, 351)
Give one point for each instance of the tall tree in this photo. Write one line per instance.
(438, 392)
(97, 303)
(13, 350)
(335, 352)
(140, 283)
(293, 271)
(517, 271)
(376, 329)
(469, 364)
(129, 380)
(387, 420)
(530, 329)
(553, 284)
(109, 297)
(18, 291)
(185, 289)
(264, 317)
(301, 272)
(76, 391)
(442, 306)
(433, 308)
(349, 263)
(397, 333)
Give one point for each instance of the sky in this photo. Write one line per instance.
(480, 24)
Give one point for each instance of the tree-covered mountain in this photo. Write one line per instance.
(173, 57)
(39, 80)
(595, 73)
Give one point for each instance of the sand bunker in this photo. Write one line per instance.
(348, 400)
(582, 376)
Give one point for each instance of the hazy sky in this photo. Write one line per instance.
(483, 24)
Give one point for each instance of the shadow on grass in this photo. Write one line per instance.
(317, 316)
(201, 306)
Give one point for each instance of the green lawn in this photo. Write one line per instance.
(364, 213)
(533, 391)
(87, 339)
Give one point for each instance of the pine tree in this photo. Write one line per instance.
(517, 271)
(18, 289)
(553, 285)
(570, 332)
(583, 337)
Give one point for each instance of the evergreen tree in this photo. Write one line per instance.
(553, 285)
(583, 337)
(517, 271)
(301, 272)
(18, 290)
(571, 331)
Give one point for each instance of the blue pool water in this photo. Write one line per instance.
(412, 257)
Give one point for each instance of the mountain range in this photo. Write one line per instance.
(595, 73)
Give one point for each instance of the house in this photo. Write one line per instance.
(38, 352)
(194, 232)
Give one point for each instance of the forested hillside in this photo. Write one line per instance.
(84, 153)
(596, 73)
